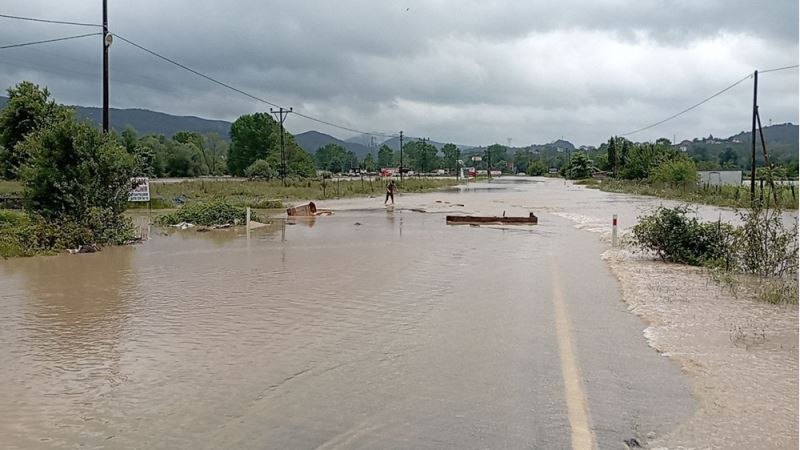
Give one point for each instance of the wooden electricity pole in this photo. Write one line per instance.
(106, 44)
(753, 140)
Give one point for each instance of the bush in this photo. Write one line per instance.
(260, 170)
(762, 246)
(676, 172)
(675, 237)
(208, 213)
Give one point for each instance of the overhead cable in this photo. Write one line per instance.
(24, 44)
(240, 91)
(60, 22)
(689, 108)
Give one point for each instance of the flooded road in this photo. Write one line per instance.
(373, 328)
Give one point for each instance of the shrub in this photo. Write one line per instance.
(208, 213)
(675, 237)
(260, 170)
(675, 172)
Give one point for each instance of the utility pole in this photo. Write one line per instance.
(401, 156)
(753, 140)
(421, 154)
(106, 43)
(488, 163)
(281, 114)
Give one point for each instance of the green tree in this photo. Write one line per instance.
(368, 163)
(77, 174)
(580, 166)
(536, 168)
(451, 156)
(612, 155)
(495, 154)
(385, 156)
(257, 136)
(728, 158)
(29, 109)
(129, 139)
(217, 150)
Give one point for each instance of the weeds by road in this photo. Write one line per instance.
(784, 197)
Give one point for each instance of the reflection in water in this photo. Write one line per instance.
(69, 314)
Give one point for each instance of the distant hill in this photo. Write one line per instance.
(366, 139)
(784, 133)
(310, 141)
(146, 121)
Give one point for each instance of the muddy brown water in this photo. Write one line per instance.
(374, 328)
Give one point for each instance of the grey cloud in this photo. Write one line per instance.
(464, 71)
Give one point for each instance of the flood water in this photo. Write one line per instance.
(375, 327)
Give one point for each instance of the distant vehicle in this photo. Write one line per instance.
(553, 170)
(522, 174)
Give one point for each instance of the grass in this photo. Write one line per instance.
(272, 194)
(726, 196)
(10, 187)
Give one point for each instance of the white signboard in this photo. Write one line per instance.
(141, 190)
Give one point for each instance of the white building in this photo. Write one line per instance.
(719, 177)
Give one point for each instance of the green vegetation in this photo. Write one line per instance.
(29, 109)
(335, 158)
(75, 179)
(210, 213)
(257, 136)
(761, 248)
(272, 194)
(10, 188)
(260, 170)
(785, 197)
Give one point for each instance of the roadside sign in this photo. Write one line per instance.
(140, 191)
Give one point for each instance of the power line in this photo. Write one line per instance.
(709, 98)
(689, 108)
(60, 22)
(237, 90)
(24, 44)
(777, 69)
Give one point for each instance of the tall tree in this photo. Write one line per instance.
(76, 170)
(29, 109)
(368, 163)
(612, 154)
(385, 156)
(451, 156)
(257, 136)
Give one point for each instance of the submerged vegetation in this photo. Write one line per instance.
(205, 213)
(762, 247)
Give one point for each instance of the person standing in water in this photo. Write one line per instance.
(391, 188)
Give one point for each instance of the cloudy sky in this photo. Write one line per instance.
(472, 72)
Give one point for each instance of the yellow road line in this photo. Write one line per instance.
(577, 409)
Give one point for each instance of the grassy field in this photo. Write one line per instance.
(272, 194)
(728, 196)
